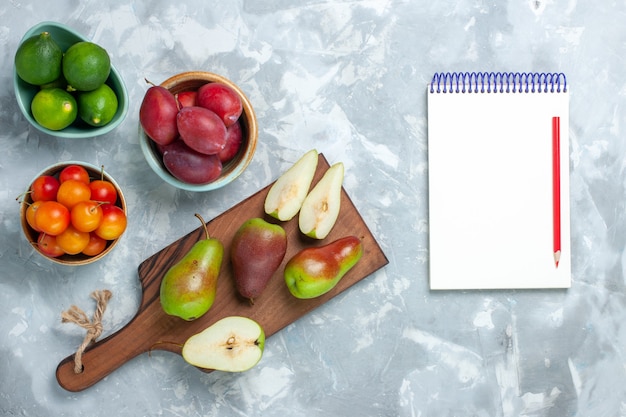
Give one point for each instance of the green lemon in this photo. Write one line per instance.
(54, 108)
(38, 59)
(60, 82)
(97, 107)
(86, 66)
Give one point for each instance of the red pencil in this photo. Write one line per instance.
(556, 188)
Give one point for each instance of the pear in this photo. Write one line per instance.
(256, 252)
(188, 287)
(232, 344)
(285, 196)
(320, 208)
(316, 270)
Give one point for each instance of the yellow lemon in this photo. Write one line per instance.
(97, 107)
(86, 66)
(54, 108)
(38, 59)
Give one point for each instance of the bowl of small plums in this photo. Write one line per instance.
(73, 213)
(198, 130)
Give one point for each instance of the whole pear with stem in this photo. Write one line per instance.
(189, 286)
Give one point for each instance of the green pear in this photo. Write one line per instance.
(316, 270)
(320, 208)
(188, 287)
(256, 252)
(232, 344)
(285, 196)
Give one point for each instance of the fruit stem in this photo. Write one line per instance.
(206, 230)
(20, 198)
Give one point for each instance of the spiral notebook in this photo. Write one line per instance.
(498, 157)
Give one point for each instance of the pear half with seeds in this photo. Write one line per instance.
(232, 344)
(320, 208)
(286, 195)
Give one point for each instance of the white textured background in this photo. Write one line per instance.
(348, 78)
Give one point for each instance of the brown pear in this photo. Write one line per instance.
(257, 250)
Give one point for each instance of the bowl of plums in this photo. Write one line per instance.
(73, 213)
(198, 130)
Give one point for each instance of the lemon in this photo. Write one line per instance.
(86, 66)
(54, 108)
(38, 59)
(58, 83)
(97, 107)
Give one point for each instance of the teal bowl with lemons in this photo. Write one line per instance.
(65, 37)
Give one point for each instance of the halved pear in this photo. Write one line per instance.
(232, 344)
(320, 208)
(285, 197)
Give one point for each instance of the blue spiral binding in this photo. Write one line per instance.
(498, 82)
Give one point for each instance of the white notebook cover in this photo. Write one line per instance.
(491, 187)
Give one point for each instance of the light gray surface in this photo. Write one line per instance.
(346, 77)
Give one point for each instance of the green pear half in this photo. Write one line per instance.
(285, 196)
(232, 344)
(320, 208)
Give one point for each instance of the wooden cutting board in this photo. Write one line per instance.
(152, 329)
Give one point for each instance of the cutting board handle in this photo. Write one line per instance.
(106, 355)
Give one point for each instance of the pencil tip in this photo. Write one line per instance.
(557, 258)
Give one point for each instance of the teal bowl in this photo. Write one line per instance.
(24, 92)
(191, 81)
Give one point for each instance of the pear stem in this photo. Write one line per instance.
(206, 230)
